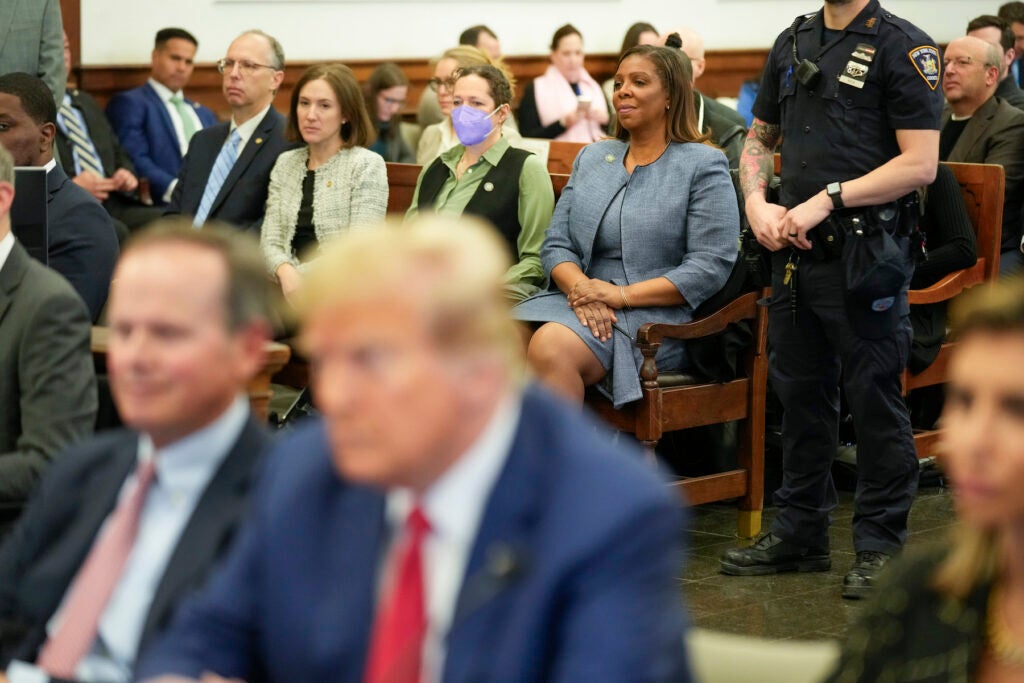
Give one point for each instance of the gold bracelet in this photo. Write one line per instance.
(622, 293)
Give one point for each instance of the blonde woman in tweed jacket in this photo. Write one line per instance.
(331, 183)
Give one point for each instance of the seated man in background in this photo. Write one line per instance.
(92, 157)
(82, 241)
(47, 381)
(155, 121)
(996, 31)
(979, 128)
(227, 169)
(124, 526)
(433, 463)
(724, 125)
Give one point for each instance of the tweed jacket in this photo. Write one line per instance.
(910, 632)
(351, 189)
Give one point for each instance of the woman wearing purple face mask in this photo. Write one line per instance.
(485, 176)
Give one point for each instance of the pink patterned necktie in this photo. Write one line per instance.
(401, 622)
(95, 582)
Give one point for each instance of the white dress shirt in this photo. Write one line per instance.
(454, 506)
(183, 470)
(6, 245)
(246, 130)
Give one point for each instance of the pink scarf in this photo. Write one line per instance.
(555, 98)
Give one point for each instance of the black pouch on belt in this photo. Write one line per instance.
(873, 267)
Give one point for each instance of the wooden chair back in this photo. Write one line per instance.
(401, 185)
(561, 155)
(982, 187)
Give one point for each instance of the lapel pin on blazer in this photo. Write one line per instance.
(609, 158)
(259, 141)
(488, 187)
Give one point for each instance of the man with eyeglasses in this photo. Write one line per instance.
(155, 121)
(227, 169)
(980, 128)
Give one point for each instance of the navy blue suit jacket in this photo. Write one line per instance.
(243, 196)
(146, 131)
(590, 594)
(44, 553)
(82, 241)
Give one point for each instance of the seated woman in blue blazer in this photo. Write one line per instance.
(645, 231)
(318, 190)
(486, 177)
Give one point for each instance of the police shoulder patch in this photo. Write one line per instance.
(926, 60)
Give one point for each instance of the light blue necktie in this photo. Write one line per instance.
(221, 167)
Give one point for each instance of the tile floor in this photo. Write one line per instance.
(786, 606)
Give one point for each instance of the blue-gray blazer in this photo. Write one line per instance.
(680, 220)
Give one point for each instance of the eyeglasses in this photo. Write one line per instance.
(392, 102)
(436, 84)
(963, 62)
(246, 67)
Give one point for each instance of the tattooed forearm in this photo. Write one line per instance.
(758, 163)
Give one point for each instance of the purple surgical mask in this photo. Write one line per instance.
(472, 126)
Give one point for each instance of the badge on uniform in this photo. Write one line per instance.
(854, 74)
(864, 52)
(926, 61)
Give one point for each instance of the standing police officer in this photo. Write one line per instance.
(851, 91)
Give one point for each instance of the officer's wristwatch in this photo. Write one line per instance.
(835, 191)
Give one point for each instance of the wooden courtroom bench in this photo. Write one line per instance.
(259, 390)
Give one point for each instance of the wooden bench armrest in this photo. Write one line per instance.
(950, 285)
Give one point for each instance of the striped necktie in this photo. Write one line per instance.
(81, 144)
(187, 124)
(91, 590)
(221, 167)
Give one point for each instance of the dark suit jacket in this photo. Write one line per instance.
(571, 577)
(43, 554)
(727, 128)
(47, 381)
(112, 154)
(995, 135)
(145, 129)
(1008, 90)
(83, 245)
(243, 197)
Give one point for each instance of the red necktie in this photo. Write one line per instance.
(95, 582)
(401, 623)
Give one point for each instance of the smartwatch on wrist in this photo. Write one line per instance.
(835, 192)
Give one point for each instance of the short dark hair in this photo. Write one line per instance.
(991, 21)
(1012, 12)
(357, 131)
(633, 33)
(676, 76)
(497, 85)
(472, 34)
(36, 98)
(165, 34)
(562, 32)
(250, 295)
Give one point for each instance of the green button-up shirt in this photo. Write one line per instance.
(536, 204)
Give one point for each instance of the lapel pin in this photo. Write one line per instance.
(609, 158)
(328, 183)
(488, 187)
(259, 141)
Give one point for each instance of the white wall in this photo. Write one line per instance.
(121, 32)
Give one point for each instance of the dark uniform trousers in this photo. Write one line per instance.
(808, 356)
(879, 75)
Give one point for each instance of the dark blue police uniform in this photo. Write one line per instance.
(879, 75)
